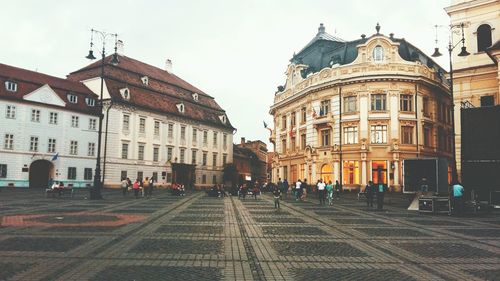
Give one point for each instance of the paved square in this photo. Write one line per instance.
(200, 238)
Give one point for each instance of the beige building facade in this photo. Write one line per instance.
(475, 77)
(354, 110)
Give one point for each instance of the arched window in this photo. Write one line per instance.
(326, 173)
(483, 37)
(378, 53)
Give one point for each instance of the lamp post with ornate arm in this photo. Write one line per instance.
(95, 190)
(463, 53)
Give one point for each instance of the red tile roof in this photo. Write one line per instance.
(163, 92)
(28, 81)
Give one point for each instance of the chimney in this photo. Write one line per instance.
(243, 141)
(120, 48)
(168, 65)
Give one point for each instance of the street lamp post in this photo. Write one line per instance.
(95, 190)
(463, 53)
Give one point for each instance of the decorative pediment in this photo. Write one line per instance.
(45, 95)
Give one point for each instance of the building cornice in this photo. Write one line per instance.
(467, 5)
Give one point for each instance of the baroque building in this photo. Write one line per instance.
(48, 129)
(475, 77)
(353, 110)
(158, 125)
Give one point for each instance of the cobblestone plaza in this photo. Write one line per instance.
(201, 238)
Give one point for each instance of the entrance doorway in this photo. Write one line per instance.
(379, 172)
(40, 173)
(326, 173)
(183, 174)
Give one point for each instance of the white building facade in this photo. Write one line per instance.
(48, 129)
(158, 126)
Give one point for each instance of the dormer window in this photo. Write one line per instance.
(72, 98)
(223, 118)
(195, 96)
(90, 101)
(378, 53)
(11, 86)
(181, 107)
(145, 80)
(125, 92)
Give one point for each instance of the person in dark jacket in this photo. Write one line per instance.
(381, 189)
(369, 191)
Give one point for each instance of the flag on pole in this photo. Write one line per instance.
(265, 124)
(54, 158)
(314, 113)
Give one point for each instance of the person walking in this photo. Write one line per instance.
(297, 190)
(369, 190)
(136, 186)
(337, 189)
(124, 186)
(286, 187)
(458, 194)
(329, 191)
(381, 189)
(277, 196)
(255, 190)
(149, 191)
(145, 187)
(321, 191)
(304, 187)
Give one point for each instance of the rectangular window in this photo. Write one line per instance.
(71, 173)
(169, 177)
(224, 159)
(87, 174)
(140, 175)
(183, 132)
(406, 135)
(182, 155)
(169, 153)
(156, 153)
(351, 172)
(378, 102)
(193, 156)
(123, 175)
(427, 136)
(283, 122)
(204, 179)
(303, 115)
(126, 122)
(215, 138)
(74, 121)
(283, 145)
(351, 135)
(214, 159)
(142, 125)
(140, 152)
(91, 150)
(214, 179)
(350, 104)
(205, 137)
(124, 150)
(170, 130)
(204, 158)
(293, 143)
(3, 170)
(10, 112)
(53, 118)
(406, 103)
(195, 136)
(224, 140)
(378, 133)
(157, 128)
(34, 144)
(324, 108)
(303, 141)
(487, 101)
(425, 107)
(325, 137)
(51, 148)
(11, 86)
(92, 124)
(35, 115)
(8, 142)
(73, 148)
(293, 119)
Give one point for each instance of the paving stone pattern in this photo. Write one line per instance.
(201, 238)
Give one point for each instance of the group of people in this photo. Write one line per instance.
(379, 189)
(300, 189)
(217, 190)
(141, 187)
(178, 189)
(244, 188)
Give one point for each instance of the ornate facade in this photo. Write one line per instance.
(475, 77)
(353, 110)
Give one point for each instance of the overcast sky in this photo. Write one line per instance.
(236, 51)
